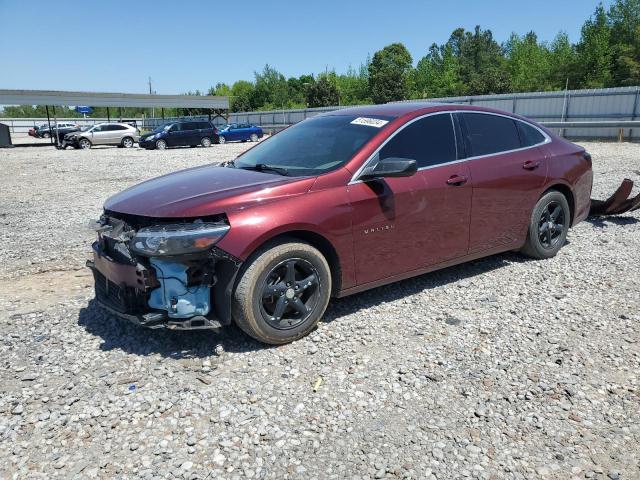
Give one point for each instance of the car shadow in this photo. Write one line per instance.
(601, 222)
(121, 335)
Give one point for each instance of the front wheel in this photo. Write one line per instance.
(84, 143)
(205, 142)
(161, 144)
(282, 293)
(548, 226)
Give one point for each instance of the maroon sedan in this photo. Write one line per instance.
(334, 205)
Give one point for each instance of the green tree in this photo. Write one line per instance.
(594, 52)
(241, 94)
(528, 63)
(271, 90)
(562, 63)
(354, 85)
(389, 74)
(624, 18)
(323, 93)
(483, 67)
(438, 74)
(221, 89)
(627, 69)
(298, 88)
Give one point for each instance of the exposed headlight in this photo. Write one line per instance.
(152, 137)
(177, 239)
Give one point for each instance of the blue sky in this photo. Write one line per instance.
(187, 45)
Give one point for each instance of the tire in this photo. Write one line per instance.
(46, 135)
(254, 137)
(127, 142)
(548, 226)
(205, 142)
(221, 140)
(84, 143)
(301, 304)
(161, 144)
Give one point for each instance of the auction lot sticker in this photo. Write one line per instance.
(370, 122)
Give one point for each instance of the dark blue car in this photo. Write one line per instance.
(242, 132)
(180, 134)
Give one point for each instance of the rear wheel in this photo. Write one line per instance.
(46, 135)
(205, 142)
(282, 293)
(161, 144)
(127, 142)
(84, 143)
(254, 137)
(548, 226)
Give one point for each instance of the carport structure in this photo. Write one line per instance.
(217, 106)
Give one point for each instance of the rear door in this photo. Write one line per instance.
(190, 133)
(508, 174)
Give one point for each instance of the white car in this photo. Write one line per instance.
(119, 134)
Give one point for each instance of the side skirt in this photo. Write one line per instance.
(430, 268)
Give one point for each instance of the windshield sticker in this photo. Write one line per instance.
(370, 122)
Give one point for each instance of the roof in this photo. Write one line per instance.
(392, 109)
(101, 99)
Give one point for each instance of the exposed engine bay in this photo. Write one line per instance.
(163, 273)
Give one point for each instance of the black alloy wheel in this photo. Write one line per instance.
(290, 294)
(551, 225)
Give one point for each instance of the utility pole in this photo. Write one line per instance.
(153, 110)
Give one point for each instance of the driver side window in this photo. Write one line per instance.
(429, 141)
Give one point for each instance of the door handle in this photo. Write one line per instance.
(457, 180)
(530, 165)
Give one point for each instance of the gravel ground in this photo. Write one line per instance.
(501, 368)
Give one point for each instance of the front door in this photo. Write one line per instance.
(99, 135)
(175, 135)
(404, 224)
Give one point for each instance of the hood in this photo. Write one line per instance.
(206, 190)
(147, 135)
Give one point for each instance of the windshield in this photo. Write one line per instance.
(162, 128)
(314, 146)
(85, 128)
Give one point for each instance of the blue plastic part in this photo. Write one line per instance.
(174, 296)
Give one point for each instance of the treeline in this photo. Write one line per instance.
(469, 63)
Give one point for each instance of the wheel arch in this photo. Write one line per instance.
(318, 241)
(564, 189)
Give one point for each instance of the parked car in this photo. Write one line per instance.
(119, 134)
(240, 132)
(180, 134)
(43, 131)
(334, 205)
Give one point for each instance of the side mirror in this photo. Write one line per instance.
(389, 167)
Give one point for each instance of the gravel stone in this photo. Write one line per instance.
(505, 367)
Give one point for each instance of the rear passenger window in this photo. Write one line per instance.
(529, 135)
(429, 141)
(489, 134)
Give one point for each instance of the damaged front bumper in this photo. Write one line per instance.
(188, 292)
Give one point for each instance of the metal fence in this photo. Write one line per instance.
(610, 104)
